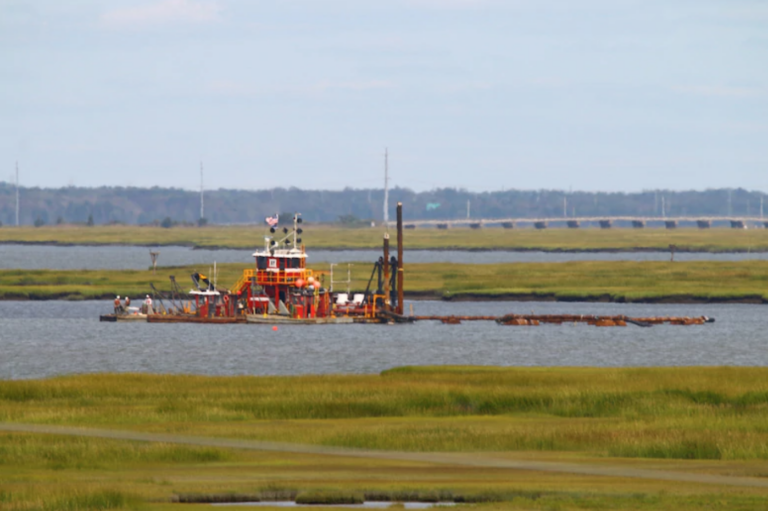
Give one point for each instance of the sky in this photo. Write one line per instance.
(604, 95)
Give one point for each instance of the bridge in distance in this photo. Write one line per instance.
(604, 222)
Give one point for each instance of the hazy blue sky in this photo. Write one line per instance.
(481, 94)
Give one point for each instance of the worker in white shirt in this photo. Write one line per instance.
(148, 305)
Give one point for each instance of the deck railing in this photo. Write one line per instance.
(271, 278)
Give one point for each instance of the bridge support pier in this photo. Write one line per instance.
(738, 224)
(638, 224)
(508, 225)
(476, 225)
(573, 224)
(703, 224)
(605, 224)
(540, 225)
(670, 224)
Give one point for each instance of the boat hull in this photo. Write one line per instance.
(167, 318)
(284, 320)
(113, 318)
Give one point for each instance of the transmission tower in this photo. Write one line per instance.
(386, 187)
(17, 194)
(202, 202)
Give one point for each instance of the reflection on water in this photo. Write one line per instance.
(33, 257)
(39, 339)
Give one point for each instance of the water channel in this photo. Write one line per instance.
(36, 257)
(41, 339)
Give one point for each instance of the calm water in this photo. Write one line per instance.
(39, 339)
(33, 257)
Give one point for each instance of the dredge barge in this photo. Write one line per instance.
(281, 290)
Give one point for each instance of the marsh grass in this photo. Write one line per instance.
(679, 413)
(581, 280)
(71, 499)
(715, 417)
(570, 500)
(219, 498)
(96, 284)
(329, 497)
(333, 237)
(103, 499)
(565, 501)
(59, 453)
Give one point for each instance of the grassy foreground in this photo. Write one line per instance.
(694, 420)
(623, 281)
(323, 236)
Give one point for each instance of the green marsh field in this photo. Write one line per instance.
(484, 437)
(622, 281)
(451, 433)
(332, 237)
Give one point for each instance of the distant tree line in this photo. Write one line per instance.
(171, 206)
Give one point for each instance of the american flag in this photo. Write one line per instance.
(272, 220)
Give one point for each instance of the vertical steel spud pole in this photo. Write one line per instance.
(400, 258)
(387, 291)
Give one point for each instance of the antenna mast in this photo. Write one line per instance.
(202, 203)
(386, 187)
(17, 194)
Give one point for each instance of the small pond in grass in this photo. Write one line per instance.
(364, 505)
(41, 339)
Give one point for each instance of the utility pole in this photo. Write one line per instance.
(386, 187)
(17, 194)
(202, 203)
(153, 256)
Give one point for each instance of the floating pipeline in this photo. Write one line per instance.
(601, 321)
(559, 319)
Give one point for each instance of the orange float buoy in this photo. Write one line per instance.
(274, 328)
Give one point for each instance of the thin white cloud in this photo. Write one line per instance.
(163, 12)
